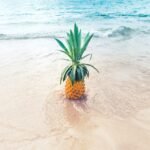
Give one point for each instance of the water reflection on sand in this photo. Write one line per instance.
(84, 128)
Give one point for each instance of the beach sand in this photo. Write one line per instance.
(34, 114)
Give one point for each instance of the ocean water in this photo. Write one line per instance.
(32, 19)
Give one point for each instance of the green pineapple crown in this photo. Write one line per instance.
(75, 50)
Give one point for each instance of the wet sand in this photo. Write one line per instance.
(34, 114)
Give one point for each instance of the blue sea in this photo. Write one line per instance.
(32, 19)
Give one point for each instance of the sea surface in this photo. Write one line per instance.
(32, 19)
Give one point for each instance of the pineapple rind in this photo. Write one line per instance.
(74, 91)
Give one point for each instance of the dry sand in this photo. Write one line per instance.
(34, 115)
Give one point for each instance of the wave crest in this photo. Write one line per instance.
(122, 31)
(26, 36)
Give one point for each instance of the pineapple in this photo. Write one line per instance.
(74, 74)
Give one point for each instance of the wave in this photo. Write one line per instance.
(114, 15)
(27, 36)
(122, 31)
(26, 23)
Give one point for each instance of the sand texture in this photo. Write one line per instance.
(34, 114)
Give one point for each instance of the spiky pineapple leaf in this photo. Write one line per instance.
(86, 42)
(78, 74)
(75, 49)
(66, 53)
(65, 73)
(86, 72)
(76, 37)
(64, 59)
(92, 67)
(79, 44)
(87, 35)
(87, 56)
(82, 72)
(70, 45)
(74, 69)
(72, 40)
(61, 44)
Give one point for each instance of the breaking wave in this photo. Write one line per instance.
(26, 36)
(119, 32)
(122, 32)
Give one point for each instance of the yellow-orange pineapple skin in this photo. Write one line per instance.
(75, 91)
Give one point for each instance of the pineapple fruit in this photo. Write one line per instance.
(74, 74)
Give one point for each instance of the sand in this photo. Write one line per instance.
(34, 114)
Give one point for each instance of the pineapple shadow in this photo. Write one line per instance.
(75, 111)
(61, 111)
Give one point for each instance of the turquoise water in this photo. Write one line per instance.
(31, 19)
